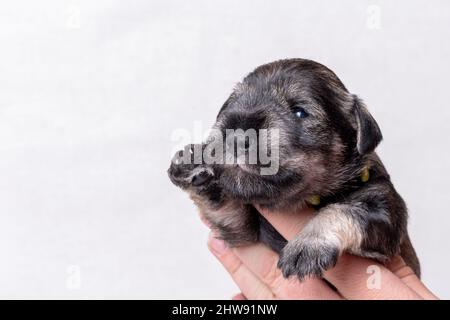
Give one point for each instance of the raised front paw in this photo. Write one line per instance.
(187, 171)
(308, 256)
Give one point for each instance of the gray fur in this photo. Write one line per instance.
(323, 154)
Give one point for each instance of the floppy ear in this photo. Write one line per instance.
(368, 134)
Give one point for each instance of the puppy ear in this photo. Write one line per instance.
(368, 134)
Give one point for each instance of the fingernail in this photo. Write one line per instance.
(217, 246)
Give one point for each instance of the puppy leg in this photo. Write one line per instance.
(269, 236)
(337, 228)
(235, 223)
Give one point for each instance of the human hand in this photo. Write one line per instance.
(254, 270)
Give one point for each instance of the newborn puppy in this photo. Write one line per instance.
(326, 159)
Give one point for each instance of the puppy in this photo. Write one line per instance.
(326, 159)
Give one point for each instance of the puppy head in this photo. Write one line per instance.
(324, 131)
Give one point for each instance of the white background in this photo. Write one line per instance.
(91, 92)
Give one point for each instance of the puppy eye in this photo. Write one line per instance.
(300, 112)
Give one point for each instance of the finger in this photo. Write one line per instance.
(350, 275)
(398, 266)
(288, 223)
(364, 279)
(248, 283)
(262, 262)
(239, 296)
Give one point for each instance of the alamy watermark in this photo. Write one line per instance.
(231, 147)
(374, 280)
(373, 21)
(73, 280)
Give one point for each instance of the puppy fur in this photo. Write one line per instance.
(322, 154)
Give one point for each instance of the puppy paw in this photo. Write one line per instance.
(186, 171)
(308, 256)
(201, 176)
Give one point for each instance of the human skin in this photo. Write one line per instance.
(254, 269)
